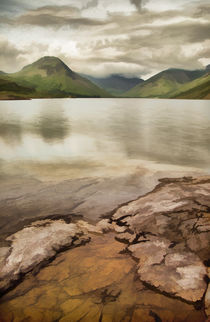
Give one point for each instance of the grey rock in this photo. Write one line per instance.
(171, 225)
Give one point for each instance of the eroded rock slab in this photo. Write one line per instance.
(167, 231)
(39, 243)
(95, 282)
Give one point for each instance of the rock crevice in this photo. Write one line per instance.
(167, 232)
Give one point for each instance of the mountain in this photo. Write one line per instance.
(208, 68)
(115, 84)
(197, 89)
(9, 89)
(50, 77)
(163, 83)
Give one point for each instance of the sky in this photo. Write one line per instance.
(102, 37)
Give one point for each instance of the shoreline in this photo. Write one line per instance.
(120, 222)
(109, 98)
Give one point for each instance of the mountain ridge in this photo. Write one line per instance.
(115, 84)
(49, 76)
(163, 83)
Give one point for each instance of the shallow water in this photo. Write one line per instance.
(92, 283)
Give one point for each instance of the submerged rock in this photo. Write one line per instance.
(40, 242)
(171, 225)
(92, 283)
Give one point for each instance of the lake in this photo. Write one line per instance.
(89, 132)
(88, 156)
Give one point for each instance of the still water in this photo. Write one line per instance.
(85, 131)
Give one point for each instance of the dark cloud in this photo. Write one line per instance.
(161, 49)
(56, 16)
(202, 11)
(45, 20)
(138, 3)
(90, 4)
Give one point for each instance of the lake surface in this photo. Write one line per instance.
(93, 132)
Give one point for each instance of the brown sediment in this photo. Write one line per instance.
(95, 282)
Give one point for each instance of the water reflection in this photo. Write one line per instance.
(126, 129)
(164, 131)
(52, 124)
(161, 133)
(10, 129)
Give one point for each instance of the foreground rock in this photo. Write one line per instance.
(38, 243)
(92, 283)
(167, 231)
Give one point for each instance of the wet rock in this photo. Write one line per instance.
(207, 302)
(101, 227)
(126, 237)
(4, 252)
(207, 297)
(118, 229)
(181, 275)
(104, 225)
(150, 252)
(37, 244)
(95, 282)
(171, 228)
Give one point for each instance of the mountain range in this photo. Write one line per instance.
(49, 77)
(115, 84)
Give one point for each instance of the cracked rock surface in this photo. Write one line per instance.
(167, 232)
(40, 242)
(95, 282)
(164, 279)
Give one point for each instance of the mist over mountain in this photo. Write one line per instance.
(51, 77)
(115, 84)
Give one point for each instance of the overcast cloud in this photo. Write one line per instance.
(101, 37)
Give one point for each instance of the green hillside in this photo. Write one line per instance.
(197, 89)
(50, 77)
(9, 89)
(162, 84)
(115, 84)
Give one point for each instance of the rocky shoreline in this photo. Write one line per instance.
(36, 245)
(166, 231)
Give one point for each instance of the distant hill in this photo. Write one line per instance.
(163, 83)
(115, 84)
(197, 89)
(50, 77)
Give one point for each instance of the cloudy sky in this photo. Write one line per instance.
(101, 37)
